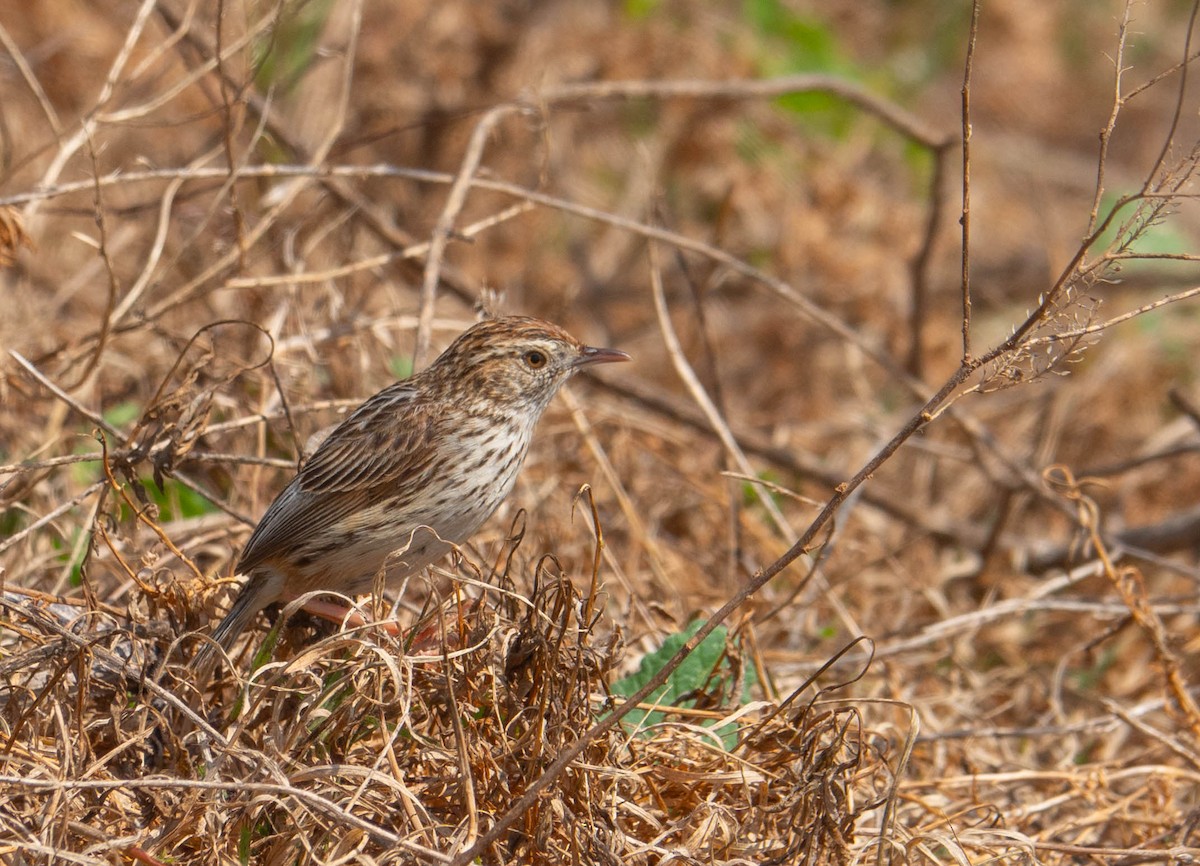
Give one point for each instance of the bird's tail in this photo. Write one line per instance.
(253, 597)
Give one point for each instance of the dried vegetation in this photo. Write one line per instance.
(223, 224)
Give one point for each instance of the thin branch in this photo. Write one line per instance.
(51, 516)
(921, 263)
(58, 392)
(1095, 328)
(904, 122)
(1111, 124)
(68, 148)
(721, 427)
(965, 219)
(31, 81)
(455, 200)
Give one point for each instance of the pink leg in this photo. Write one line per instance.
(340, 614)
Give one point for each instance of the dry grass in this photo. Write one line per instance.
(360, 746)
(985, 655)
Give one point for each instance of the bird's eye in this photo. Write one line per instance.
(535, 359)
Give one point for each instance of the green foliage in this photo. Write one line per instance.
(123, 413)
(11, 520)
(400, 366)
(248, 834)
(753, 494)
(794, 44)
(119, 416)
(285, 53)
(261, 656)
(173, 501)
(707, 670)
(919, 160)
(811, 45)
(266, 650)
(176, 502)
(640, 9)
(244, 839)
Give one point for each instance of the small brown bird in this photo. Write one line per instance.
(411, 472)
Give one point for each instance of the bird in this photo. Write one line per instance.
(412, 472)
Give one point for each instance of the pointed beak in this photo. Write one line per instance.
(591, 355)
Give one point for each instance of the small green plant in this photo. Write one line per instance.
(11, 520)
(751, 492)
(793, 44)
(173, 500)
(261, 830)
(707, 670)
(123, 413)
(176, 501)
(284, 55)
(244, 839)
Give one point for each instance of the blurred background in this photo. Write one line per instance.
(189, 284)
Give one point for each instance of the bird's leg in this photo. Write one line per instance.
(347, 616)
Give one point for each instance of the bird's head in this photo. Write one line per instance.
(515, 361)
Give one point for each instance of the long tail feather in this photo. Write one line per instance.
(255, 595)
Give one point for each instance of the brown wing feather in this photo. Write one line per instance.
(387, 438)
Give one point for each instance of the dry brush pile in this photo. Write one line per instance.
(929, 541)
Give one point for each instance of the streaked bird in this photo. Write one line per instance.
(411, 472)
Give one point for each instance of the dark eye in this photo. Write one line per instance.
(535, 358)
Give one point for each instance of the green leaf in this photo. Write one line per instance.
(400, 366)
(707, 669)
(174, 501)
(183, 502)
(123, 413)
(753, 494)
(11, 520)
(286, 52)
(244, 839)
(792, 43)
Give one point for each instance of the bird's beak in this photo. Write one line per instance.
(591, 355)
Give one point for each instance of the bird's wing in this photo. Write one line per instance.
(387, 438)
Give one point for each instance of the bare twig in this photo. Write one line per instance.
(921, 263)
(31, 81)
(1118, 100)
(455, 200)
(965, 218)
